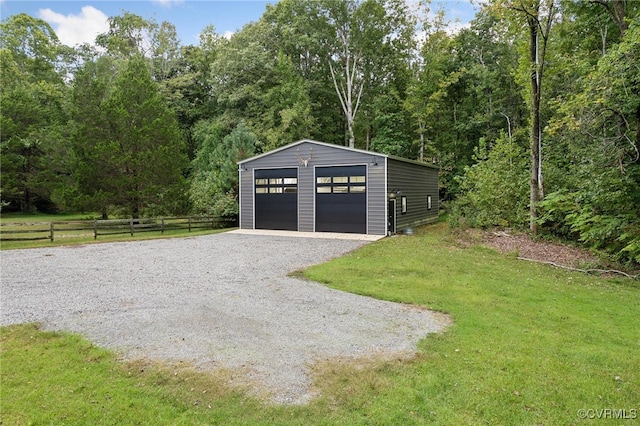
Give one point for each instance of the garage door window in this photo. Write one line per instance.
(276, 185)
(341, 184)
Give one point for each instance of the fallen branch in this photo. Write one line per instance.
(586, 271)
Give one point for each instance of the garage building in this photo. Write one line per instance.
(312, 186)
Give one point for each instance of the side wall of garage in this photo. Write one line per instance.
(307, 157)
(415, 185)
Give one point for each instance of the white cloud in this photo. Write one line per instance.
(228, 34)
(167, 3)
(77, 29)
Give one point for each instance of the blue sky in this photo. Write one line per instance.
(80, 21)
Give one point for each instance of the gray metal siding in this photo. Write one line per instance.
(246, 199)
(318, 155)
(377, 198)
(416, 183)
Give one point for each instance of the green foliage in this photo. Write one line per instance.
(392, 136)
(32, 147)
(463, 90)
(604, 215)
(214, 178)
(128, 149)
(129, 35)
(494, 190)
(287, 113)
(596, 193)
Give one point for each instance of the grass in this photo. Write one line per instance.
(42, 217)
(529, 345)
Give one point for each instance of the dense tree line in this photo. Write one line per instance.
(532, 112)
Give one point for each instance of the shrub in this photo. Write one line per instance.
(494, 191)
(604, 213)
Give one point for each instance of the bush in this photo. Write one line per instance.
(603, 214)
(494, 191)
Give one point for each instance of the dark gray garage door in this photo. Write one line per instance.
(341, 199)
(276, 199)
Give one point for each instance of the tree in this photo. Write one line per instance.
(493, 191)
(32, 113)
(538, 15)
(129, 35)
(359, 38)
(599, 203)
(128, 146)
(259, 85)
(393, 132)
(295, 29)
(287, 110)
(165, 51)
(347, 55)
(463, 89)
(214, 179)
(429, 84)
(188, 84)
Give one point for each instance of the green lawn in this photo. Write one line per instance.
(530, 344)
(43, 217)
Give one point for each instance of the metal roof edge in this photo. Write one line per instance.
(282, 148)
(301, 141)
(416, 162)
(331, 145)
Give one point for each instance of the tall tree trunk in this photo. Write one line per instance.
(350, 91)
(135, 208)
(421, 130)
(539, 30)
(638, 134)
(617, 10)
(534, 189)
(368, 137)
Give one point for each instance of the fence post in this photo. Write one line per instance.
(51, 231)
(95, 229)
(131, 226)
(189, 223)
(162, 225)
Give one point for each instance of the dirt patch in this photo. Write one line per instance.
(525, 246)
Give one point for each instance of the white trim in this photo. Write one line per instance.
(239, 197)
(315, 194)
(253, 196)
(386, 197)
(366, 188)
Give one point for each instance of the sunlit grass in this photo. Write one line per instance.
(529, 344)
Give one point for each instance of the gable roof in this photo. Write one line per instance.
(330, 145)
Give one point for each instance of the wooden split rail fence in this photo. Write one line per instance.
(25, 231)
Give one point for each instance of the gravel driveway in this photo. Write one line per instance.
(220, 300)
